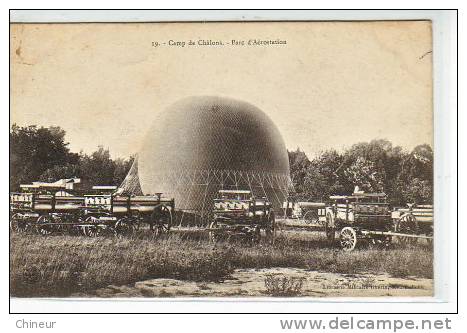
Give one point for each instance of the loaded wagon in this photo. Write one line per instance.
(358, 217)
(366, 218)
(123, 214)
(414, 220)
(312, 213)
(37, 210)
(238, 212)
(98, 211)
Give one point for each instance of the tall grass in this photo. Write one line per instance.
(62, 265)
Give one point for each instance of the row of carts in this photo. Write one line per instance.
(365, 218)
(355, 219)
(92, 213)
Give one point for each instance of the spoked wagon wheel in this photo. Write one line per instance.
(161, 218)
(256, 235)
(213, 233)
(329, 229)
(310, 217)
(348, 239)
(17, 223)
(124, 227)
(135, 220)
(43, 226)
(90, 229)
(271, 229)
(408, 224)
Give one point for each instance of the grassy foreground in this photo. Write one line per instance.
(62, 265)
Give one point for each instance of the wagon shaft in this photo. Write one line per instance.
(389, 233)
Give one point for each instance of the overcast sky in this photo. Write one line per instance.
(331, 85)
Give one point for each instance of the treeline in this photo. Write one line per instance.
(39, 153)
(376, 166)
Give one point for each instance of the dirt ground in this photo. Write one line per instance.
(251, 282)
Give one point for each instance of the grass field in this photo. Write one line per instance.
(62, 265)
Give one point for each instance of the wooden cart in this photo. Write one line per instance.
(96, 212)
(238, 212)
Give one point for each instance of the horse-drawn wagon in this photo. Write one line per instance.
(306, 211)
(238, 212)
(49, 209)
(367, 218)
(358, 217)
(414, 220)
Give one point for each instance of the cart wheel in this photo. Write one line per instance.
(388, 241)
(44, 229)
(255, 236)
(271, 229)
(348, 239)
(124, 227)
(378, 242)
(408, 224)
(91, 230)
(161, 217)
(17, 223)
(329, 229)
(213, 234)
(310, 216)
(136, 220)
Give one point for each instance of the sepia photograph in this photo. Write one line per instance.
(222, 160)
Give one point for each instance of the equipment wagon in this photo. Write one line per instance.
(358, 217)
(98, 211)
(310, 212)
(414, 220)
(367, 218)
(238, 212)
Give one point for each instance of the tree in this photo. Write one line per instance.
(97, 168)
(315, 180)
(39, 153)
(315, 184)
(419, 163)
(415, 180)
(328, 166)
(33, 150)
(417, 191)
(375, 166)
(299, 164)
(364, 174)
(60, 172)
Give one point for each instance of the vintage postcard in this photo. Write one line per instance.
(221, 159)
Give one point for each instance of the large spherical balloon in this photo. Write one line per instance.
(202, 144)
